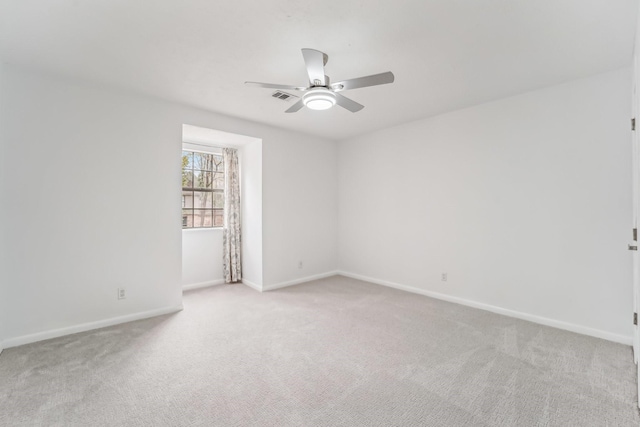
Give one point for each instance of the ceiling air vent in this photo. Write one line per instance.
(283, 96)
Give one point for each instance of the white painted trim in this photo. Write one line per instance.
(55, 333)
(202, 285)
(584, 330)
(298, 281)
(252, 285)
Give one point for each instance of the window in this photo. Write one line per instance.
(202, 189)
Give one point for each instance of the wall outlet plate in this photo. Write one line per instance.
(122, 294)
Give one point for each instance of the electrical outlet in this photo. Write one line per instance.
(444, 277)
(299, 264)
(122, 294)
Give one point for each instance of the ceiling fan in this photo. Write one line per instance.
(321, 94)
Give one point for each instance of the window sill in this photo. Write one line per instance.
(203, 229)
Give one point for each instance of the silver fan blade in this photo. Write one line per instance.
(347, 103)
(275, 86)
(314, 60)
(374, 80)
(295, 107)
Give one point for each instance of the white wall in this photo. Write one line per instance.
(525, 203)
(201, 257)
(251, 192)
(300, 209)
(93, 186)
(3, 207)
(97, 205)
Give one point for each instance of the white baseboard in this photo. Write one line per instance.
(266, 288)
(584, 330)
(298, 281)
(252, 285)
(202, 285)
(55, 333)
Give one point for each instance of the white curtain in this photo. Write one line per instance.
(232, 238)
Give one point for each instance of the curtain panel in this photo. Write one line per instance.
(232, 232)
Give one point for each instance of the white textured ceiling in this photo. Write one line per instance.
(445, 54)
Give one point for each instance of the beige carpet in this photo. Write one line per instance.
(334, 352)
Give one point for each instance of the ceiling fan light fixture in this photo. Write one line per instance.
(319, 99)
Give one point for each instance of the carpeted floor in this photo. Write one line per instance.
(334, 352)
